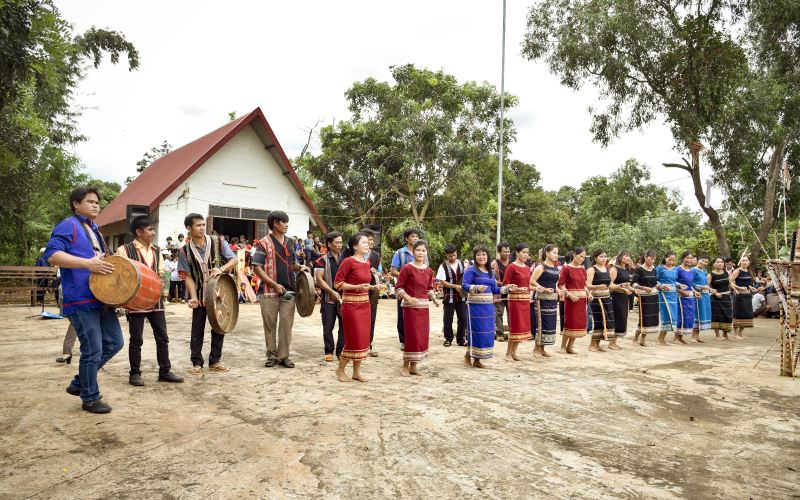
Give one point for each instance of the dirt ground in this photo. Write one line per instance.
(694, 422)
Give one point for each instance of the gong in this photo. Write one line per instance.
(305, 296)
(222, 302)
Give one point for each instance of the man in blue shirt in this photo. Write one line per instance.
(77, 247)
(400, 258)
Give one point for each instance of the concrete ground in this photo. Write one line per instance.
(657, 422)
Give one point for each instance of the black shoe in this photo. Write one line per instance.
(448, 343)
(96, 406)
(136, 379)
(287, 363)
(271, 362)
(73, 391)
(170, 377)
(462, 343)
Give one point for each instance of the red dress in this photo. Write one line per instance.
(355, 308)
(416, 283)
(519, 303)
(574, 280)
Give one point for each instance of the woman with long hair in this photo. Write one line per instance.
(702, 316)
(599, 278)
(518, 274)
(721, 307)
(572, 284)
(644, 282)
(621, 291)
(741, 282)
(353, 279)
(544, 308)
(686, 297)
(667, 286)
(480, 283)
(415, 289)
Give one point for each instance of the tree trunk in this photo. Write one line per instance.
(768, 221)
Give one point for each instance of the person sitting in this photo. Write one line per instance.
(759, 304)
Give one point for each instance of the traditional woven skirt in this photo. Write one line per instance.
(519, 316)
(602, 314)
(722, 313)
(480, 329)
(621, 305)
(648, 313)
(356, 322)
(685, 322)
(416, 325)
(743, 310)
(702, 315)
(544, 317)
(668, 308)
(575, 315)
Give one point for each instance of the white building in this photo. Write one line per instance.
(234, 176)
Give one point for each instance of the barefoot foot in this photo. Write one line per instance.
(342, 376)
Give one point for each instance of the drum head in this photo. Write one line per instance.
(375, 294)
(222, 302)
(306, 296)
(120, 286)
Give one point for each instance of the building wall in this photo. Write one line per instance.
(241, 174)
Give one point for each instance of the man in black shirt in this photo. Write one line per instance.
(325, 268)
(275, 262)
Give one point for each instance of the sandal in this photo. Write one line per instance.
(448, 343)
(218, 367)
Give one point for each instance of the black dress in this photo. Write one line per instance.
(648, 302)
(620, 302)
(602, 309)
(743, 302)
(721, 307)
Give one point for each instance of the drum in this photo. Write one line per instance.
(374, 294)
(222, 302)
(132, 285)
(306, 295)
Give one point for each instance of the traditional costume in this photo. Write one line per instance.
(454, 301)
(743, 302)
(668, 299)
(573, 279)
(648, 302)
(685, 324)
(544, 309)
(702, 317)
(417, 283)
(519, 303)
(355, 308)
(480, 312)
(620, 302)
(602, 310)
(721, 307)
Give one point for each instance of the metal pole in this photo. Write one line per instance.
(502, 117)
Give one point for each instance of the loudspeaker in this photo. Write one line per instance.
(131, 212)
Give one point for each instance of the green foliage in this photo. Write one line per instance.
(149, 157)
(42, 64)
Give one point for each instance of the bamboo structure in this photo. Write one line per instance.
(786, 276)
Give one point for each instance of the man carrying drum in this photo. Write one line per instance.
(143, 250)
(77, 247)
(198, 260)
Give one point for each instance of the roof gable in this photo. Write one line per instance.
(164, 175)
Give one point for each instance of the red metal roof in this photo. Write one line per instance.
(164, 175)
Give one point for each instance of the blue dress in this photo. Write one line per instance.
(480, 311)
(685, 323)
(702, 317)
(668, 299)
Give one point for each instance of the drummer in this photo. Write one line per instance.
(77, 247)
(199, 259)
(143, 250)
(275, 263)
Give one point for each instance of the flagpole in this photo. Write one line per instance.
(502, 118)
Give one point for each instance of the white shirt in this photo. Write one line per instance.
(758, 299)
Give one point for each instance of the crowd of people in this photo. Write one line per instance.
(538, 294)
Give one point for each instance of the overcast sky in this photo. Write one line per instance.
(201, 60)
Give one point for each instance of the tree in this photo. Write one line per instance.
(650, 59)
(149, 157)
(42, 63)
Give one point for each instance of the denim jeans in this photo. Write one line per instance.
(101, 338)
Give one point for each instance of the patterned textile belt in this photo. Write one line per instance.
(547, 295)
(421, 304)
(519, 296)
(600, 294)
(480, 298)
(701, 291)
(748, 292)
(581, 294)
(354, 299)
(725, 293)
(672, 288)
(642, 293)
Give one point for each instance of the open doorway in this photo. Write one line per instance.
(234, 228)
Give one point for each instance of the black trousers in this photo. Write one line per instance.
(460, 310)
(158, 322)
(330, 315)
(198, 335)
(401, 333)
(373, 317)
